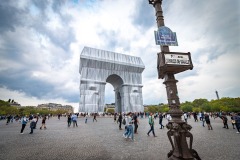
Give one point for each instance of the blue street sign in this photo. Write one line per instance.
(165, 37)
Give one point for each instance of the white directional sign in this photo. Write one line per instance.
(177, 59)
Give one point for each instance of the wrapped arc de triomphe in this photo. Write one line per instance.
(124, 72)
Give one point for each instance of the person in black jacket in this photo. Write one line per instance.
(135, 121)
(120, 121)
(207, 119)
(160, 120)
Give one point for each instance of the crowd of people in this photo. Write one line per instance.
(130, 121)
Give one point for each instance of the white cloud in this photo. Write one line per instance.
(47, 46)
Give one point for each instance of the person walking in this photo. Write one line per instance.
(24, 123)
(151, 123)
(185, 116)
(94, 117)
(207, 119)
(69, 120)
(237, 120)
(160, 120)
(44, 123)
(8, 119)
(225, 121)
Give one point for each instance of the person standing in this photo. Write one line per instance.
(44, 123)
(195, 117)
(160, 120)
(169, 118)
(115, 117)
(33, 124)
(24, 123)
(69, 120)
(233, 120)
(207, 119)
(130, 127)
(151, 123)
(86, 117)
(203, 120)
(136, 122)
(126, 126)
(74, 120)
(120, 121)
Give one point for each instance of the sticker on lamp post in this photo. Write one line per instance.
(165, 37)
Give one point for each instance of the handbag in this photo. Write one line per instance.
(233, 121)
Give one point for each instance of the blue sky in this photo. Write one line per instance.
(41, 41)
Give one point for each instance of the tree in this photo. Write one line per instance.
(206, 107)
(187, 107)
(199, 102)
(110, 110)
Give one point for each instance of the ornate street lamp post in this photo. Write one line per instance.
(170, 63)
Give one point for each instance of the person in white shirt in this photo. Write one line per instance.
(185, 117)
(86, 118)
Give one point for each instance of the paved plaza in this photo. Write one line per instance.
(103, 140)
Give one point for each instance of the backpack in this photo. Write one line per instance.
(124, 121)
(150, 121)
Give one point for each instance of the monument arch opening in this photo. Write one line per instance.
(123, 72)
(117, 82)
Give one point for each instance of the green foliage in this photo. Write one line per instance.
(187, 107)
(157, 108)
(153, 109)
(110, 110)
(199, 102)
(225, 104)
(6, 109)
(164, 108)
(145, 109)
(197, 109)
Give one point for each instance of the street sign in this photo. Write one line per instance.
(177, 59)
(165, 37)
(173, 62)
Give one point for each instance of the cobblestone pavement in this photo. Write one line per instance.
(103, 140)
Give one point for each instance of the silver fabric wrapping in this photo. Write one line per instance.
(124, 72)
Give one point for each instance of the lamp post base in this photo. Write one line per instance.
(177, 135)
